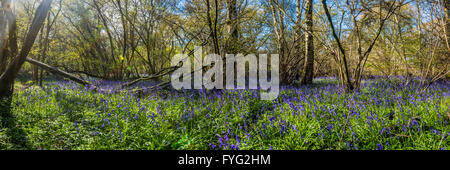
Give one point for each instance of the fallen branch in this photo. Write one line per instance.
(57, 71)
(166, 83)
(161, 73)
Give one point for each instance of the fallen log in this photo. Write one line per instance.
(57, 71)
(160, 74)
(164, 84)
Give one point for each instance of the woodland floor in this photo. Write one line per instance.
(382, 115)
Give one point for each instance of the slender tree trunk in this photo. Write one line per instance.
(232, 28)
(349, 85)
(46, 46)
(278, 24)
(308, 70)
(300, 45)
(213, 25)
(447, 23)
(38, 57)
(232, 43)
(283, 48)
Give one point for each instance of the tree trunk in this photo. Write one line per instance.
(447, 23)
(8, 46)
(232, 28)
(3, 23)
(300, 39)
(8, 76)
(284, 53)
(231, 44)
(213, 25)
(46, 46)
(349, 85)
(279, 27)
(35, 69)
(308, 70)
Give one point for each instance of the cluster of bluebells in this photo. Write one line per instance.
(382, 115)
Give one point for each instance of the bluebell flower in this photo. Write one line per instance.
(379, 147)
(271, 119)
